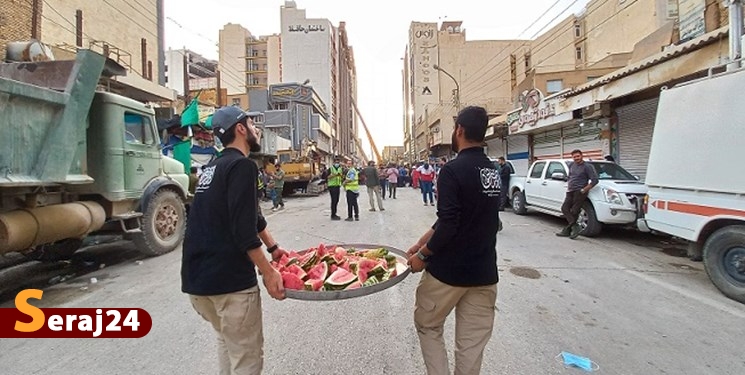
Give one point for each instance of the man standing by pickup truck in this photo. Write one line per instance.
(578, 188)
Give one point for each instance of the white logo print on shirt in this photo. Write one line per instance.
(206, 179)
(490, 181)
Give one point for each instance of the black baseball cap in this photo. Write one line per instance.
(225, 118)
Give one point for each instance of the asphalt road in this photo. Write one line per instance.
(624, 300)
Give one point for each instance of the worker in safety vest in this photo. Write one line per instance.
(334, 180)
(352, 187)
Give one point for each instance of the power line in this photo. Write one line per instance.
(478, 76)
(542, 45)
(132, 19)
(150, 15)
(553, 19)
(569, 44)
(539, 18)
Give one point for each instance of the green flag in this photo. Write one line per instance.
(182, 153)
(208, 122)
(190, 115)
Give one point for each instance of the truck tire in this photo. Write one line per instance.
(518, 203)
(163, 225)
(588, 220)
(724, 260)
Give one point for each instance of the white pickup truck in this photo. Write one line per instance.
(616, 200)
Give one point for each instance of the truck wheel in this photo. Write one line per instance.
(163, 225)
(724, 260)
(588, 221)
(518, 203)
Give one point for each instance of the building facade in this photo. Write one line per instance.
(443, 72)
(184, 66)
(316, 53)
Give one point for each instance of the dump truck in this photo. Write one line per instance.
(77, 161)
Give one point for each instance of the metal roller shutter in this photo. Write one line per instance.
(635, 128)
(547, 145)
(496, 147)
(518, 153)
(584, 138)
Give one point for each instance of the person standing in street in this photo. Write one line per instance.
(372, 181)
(582, 178)
(383, 180)
(392, 174)
(459, 254)
(426, 179)
(352, 187)
(415, 176)
(335, 177)
(504, 176)
(279, 186)
(222, 248)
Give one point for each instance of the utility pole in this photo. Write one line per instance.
(456, 92)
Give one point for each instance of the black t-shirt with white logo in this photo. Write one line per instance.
(223, 224)
(464, 244)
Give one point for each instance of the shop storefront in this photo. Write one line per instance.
(634, 135)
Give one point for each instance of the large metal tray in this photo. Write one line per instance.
(401, 267)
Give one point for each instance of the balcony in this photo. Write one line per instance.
(255, 69)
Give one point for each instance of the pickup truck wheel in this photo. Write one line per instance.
(724, 260)
(588, 221)
(163, 225)
(518, 203)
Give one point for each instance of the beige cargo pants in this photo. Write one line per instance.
(236, 317)
(474, 320)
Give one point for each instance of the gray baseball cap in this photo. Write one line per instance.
(225, 118)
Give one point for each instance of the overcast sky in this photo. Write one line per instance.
(378, 31)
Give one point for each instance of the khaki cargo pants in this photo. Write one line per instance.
(474, 320)
(236, 317)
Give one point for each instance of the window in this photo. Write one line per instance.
(554, 167)
(553, 86)
(527, 63)
(538, 169)
(237, 101)
(578, 53)
(577, 30)
(138, 129)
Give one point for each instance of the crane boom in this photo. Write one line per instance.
(369, 136)
(359, 145)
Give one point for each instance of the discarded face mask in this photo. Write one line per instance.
(576, 361)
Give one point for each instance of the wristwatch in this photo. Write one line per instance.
(274, 247)
(421, 256)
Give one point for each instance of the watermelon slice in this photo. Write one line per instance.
(319, 271)
(297, 271)
(333, 268)
(339, 280)
(365, 265)
(313, 285)
(355, 285)
(321, 251)
(308, 260)
(292, 281)
(345, 266)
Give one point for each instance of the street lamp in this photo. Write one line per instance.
(457, 86)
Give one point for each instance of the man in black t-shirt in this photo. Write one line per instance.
(459, 253)
(222, 247)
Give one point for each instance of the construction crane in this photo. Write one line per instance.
(369, 136)
(359, 145)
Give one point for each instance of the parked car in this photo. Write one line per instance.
(616, 200)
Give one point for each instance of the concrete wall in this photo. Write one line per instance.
(121, 24)
(232, 62)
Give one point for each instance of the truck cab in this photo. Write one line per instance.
(616, 200)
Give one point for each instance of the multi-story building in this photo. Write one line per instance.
(444, 72)
(393, 154)
(183, 63)
(316, 53)
(247, 62)
(233, 62)
(136, 41)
